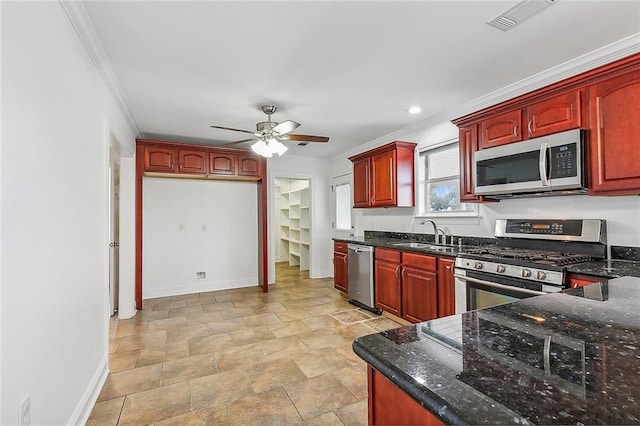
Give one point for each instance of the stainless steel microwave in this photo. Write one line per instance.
(549, 165)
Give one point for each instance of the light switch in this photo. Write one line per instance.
(204, 227)
(181, 227)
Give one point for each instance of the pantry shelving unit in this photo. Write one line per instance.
(294, 221)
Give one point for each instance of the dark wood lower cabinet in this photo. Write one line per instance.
(446, 287)
(341, 266)
(387, 286)
(419, 294)
(389, 405)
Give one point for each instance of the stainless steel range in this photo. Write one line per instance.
(530, 259)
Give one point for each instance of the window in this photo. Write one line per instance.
(343, 206)
(439, 178)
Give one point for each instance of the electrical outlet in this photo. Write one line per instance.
(201, 275)
(24, 411)
(203, 227)
(181, 227)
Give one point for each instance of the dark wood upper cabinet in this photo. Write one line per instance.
(615, 126)
(604, 101)
(553, 115)
(361, 183)
(501, 129)
(249, 165)
(221, 163)
(194, 162)
(384, 176)
(468, 145)
(160, 159)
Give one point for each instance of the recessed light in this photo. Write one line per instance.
(414, 110)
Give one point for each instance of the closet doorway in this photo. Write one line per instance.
(292, 222)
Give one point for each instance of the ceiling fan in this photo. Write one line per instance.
(269, 135)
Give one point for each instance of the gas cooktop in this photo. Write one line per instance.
(541, 257)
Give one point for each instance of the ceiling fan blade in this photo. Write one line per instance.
(231, 128)
(242, 141)
(306, 138)
(285, 127)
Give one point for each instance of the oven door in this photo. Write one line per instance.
(479, 290)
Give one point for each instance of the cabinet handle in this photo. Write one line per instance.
(344, 259)
(448, 266)
(515, 131)
(529, 127)
(403, 274)
(398, 272)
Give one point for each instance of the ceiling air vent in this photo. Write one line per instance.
(519, 13)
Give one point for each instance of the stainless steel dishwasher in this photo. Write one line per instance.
(361, 289)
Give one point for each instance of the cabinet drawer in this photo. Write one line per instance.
(388, 255)
(419, 261)
(340, 247)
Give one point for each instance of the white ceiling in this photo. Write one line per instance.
(347, 70)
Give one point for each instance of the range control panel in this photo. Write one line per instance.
(545, 227)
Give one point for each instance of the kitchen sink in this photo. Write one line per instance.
(424, 246)
(412, 245)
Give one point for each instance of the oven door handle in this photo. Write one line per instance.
(502, 286)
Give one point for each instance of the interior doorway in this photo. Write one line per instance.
(114, 230)
(292, 222)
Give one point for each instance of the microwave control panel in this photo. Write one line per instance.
(563, 161)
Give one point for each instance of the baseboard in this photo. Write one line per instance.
(85, 406)
(197, 288)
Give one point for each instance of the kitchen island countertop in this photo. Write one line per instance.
(562, 358)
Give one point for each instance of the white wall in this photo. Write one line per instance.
(54, 216)
(316, 170)
(175, 246)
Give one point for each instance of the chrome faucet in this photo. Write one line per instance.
(435, 229)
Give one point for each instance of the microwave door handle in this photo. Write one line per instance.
(542, 164)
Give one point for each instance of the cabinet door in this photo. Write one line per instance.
(340, 271)
(158, 159)
(192, 162)
(387, 283)
(249, 165)
(614, 107)
(383, 179)
(501, 129)
(361, 179)
(446, 287)
(222, 163)
(576, 280)
(419, 295)
(468, 145)
(554, 115)
(390, 405)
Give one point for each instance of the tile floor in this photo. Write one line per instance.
(240, 357)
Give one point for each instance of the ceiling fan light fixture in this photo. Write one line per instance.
(276, 147)
(261, 148)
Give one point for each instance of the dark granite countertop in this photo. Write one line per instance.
(607, 269)
(562, 358)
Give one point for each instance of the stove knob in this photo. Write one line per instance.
(478, 265)
(500, 269)
(526, 273)
(541, 275)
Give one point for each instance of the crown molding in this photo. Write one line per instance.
(602, 56)
(83, 26)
